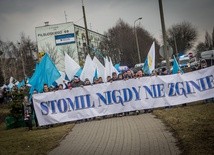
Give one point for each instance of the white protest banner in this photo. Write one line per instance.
(121, 96)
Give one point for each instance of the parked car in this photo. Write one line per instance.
(208, 56)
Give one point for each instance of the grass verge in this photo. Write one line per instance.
(193, 125)
(37, 141)
(4, 111)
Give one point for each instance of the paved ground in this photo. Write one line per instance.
(128, 135)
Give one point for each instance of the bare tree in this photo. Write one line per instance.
(69, 50)
(183, 35)
(3, 60)
(25, 54)
(208, 43)
(121, 45)
(213, 39)
(53, 53)
(6, 60)
(201, 47)
(16, 59)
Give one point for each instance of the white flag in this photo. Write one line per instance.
(107, 68)
(61, 79)
(113, 69)
(88, 69)
(71, 67)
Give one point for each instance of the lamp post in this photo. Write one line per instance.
(138, 50)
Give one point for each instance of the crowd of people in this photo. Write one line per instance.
(28, 108)
(76, 82)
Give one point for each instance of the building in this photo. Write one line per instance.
(66, 37)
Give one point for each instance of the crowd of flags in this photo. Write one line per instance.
(47, 73)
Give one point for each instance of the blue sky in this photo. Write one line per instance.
(18, 16)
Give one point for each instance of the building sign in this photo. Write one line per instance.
(64, 39)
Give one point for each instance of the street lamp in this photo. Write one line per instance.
(138, 51)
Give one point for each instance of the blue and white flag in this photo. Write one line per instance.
(176, 66)
(149, 64)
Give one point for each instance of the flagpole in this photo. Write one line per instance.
(135, 32)
(166, 53)
(86, 29)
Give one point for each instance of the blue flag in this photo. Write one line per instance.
(22, 83)
(176, 66)
(96, 74)
(117, 66)
(45, 73)
(66, 77)
(146, 67)
(78, 73)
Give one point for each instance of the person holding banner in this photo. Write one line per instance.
(100, 80)
(154, 73)
(77, 82)
(45, 88)
(33, 110)
(109, 79)
(68, 85)
(129, 74)
(139, 74)
(164, 71)
(87, 82)
(60, 87)
(114, 76)
(27, 113)
(95, 80)
(120, 77)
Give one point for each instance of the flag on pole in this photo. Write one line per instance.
(107, 68)
(79, 72)
(20, 84)
(88, 70)
(176, 66)
(146, 67)
(113, 69)
(95, 74)
(117, 66)
(71, 67)
(45, 73)
(99, 67)
(61, 79)
(149, 64)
